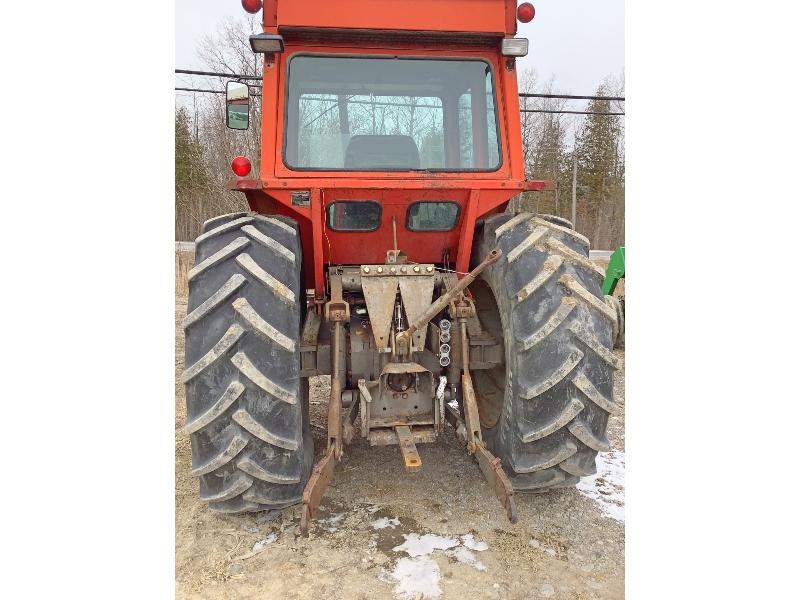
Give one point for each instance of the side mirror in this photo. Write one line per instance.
(237, 105)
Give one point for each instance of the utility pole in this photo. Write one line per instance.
(557, 210)
(574, 183)
(196, 132)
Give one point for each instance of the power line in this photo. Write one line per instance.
(199, 90)
(571, 112)
(214, 74)
(570, 97)
(203, 91)
(521, 95)
(525, 110)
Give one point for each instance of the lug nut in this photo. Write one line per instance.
(366, 269)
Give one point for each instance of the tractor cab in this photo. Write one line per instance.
(400, 120)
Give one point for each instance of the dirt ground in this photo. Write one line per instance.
(564, 545)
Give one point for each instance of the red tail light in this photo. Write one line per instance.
(241, 166)
(526, 12)
(252, 6)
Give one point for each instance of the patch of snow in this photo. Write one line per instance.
(463, 555)
(419, 574)
(331, 523)
(415, 576)
(470, 543)
(385, 522)
(607, 487)
(422, 545)
(258, 546)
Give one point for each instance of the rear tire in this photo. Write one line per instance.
(247, 407)
(556, 220)
(544, 412)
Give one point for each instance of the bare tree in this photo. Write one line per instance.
(226, 51)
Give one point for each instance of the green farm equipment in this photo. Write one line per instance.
(614, 272)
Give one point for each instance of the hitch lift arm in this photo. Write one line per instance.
(337, 312)
(489, 464)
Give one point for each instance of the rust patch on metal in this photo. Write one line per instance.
(387, 437)
(379, 293)
(493, 472)
(315, 489)
(411, 457)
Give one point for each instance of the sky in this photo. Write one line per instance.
(579, 42)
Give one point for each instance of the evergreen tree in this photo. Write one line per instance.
(547, 163)
(190, 171)
(600, 189)
(191, 177)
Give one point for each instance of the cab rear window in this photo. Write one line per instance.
(432, 216)
(359, 215)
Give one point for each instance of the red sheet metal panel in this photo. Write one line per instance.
(473, 16)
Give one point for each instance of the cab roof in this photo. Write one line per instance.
(479, 18)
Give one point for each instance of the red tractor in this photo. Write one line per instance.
(379, 251)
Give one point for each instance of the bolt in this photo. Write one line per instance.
(392, 270)
(402, 269)
(380, 269)
(416, 269)
(366, 269)
(429, 269)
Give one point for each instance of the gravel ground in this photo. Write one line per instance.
(456, 539)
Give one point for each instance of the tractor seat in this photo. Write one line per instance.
(381, 151)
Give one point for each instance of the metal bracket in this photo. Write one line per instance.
(315, 489)
(417, 295)
(492, 470)
(336, 309)
(462, 308)
(379, 294)
(409, 449)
